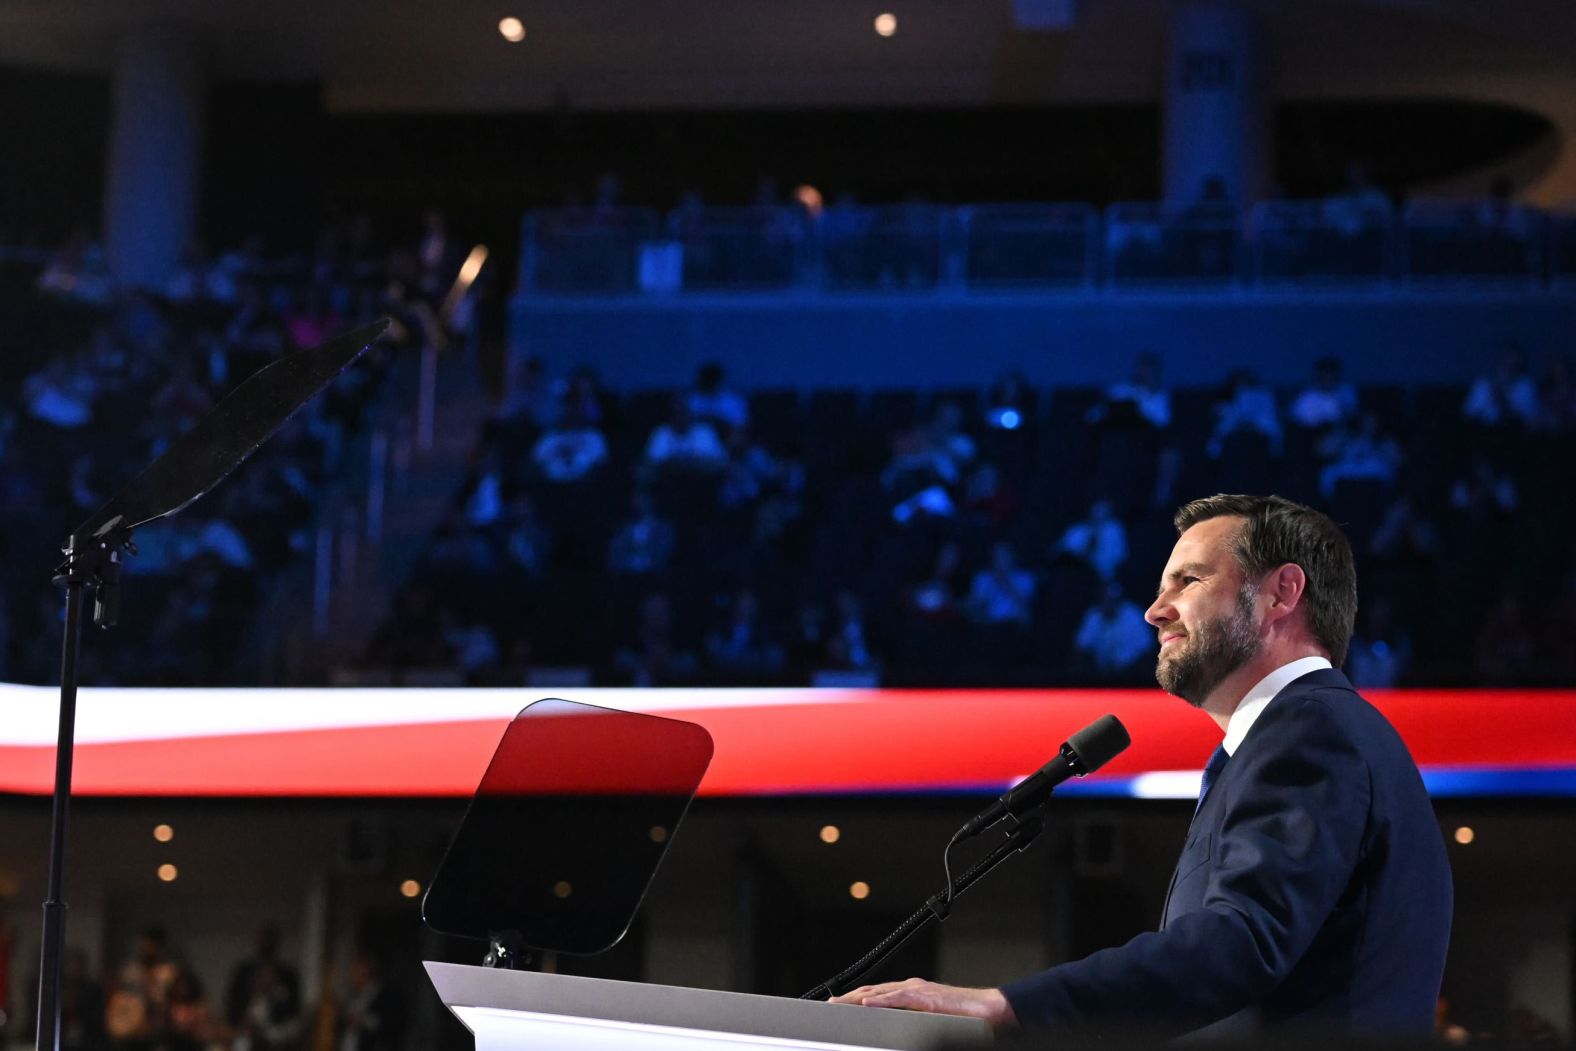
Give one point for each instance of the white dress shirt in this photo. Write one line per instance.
(1257, 699)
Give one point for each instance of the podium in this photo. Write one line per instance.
(509, 1010)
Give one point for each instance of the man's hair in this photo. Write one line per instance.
(1276, 531)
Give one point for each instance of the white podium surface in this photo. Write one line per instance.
(556, 1012)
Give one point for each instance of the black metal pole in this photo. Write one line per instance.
(51, 952)
(935, 909)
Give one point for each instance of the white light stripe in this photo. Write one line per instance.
(1167, 784)
(29, 714)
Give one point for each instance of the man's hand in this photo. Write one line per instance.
(916, 994)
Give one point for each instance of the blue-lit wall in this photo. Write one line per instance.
(1432, 336)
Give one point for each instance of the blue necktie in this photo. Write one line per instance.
(1212, 769)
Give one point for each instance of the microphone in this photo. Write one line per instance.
(1083, 753)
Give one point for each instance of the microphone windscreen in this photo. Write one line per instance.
(1099, 742)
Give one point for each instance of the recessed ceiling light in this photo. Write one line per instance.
(886, 23)
(168, 872)
(410, 888)
(859, 890)
(511, 29)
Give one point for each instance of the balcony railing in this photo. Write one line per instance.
(920, 248)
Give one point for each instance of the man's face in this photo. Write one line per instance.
(1204, 613)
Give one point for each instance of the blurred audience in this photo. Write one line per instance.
(1099, 540)
(1506, 396)
(1140, 397)
(1113, 636)
(1328, 401)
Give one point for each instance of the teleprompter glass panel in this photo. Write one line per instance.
(567, 828)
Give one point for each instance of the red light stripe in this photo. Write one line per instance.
(899, 740)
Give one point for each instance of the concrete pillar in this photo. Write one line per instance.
(1216, 109)
(155, 154)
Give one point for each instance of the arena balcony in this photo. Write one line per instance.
(1350, 244)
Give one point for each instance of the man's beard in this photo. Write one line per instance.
(1212, 651)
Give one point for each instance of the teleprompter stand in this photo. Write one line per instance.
(196, 462)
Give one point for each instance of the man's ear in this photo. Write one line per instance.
(1284, 587)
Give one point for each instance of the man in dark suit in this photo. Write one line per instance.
(1313, 890)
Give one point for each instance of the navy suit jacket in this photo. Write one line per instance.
(1313, 891)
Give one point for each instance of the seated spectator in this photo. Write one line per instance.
(713, 403)
(473, 646)
(1100, 540)
(195, 279)
(1009, 404)
(936, 597)
(926, 463)
(484, 506)
(1505, 645)
(1362, 453)
(1381, 652)
(59, 394)
(933, 501)
(685, 443)
(1141, 397)
(532, 400)
(309, 319)
(740, 647)
(256, 332)
(1329, 401)
(224, 541)
(1003, 592)
(989, 496)
(1556, 395)
(571, 449)
(78, 271)
(527, 543)
(1483, 493)
(1404, 537)
(262, 1002)
(373, 1016)
(1508, 396)
(1249, 406)
(750, 472)
(1114, 636)
(847, 645)
(643, 545)
(81, 1004)
(138, 1009)
(1360, 206)
(583, 397)
(457, 548)
(656, 658)
(934, 453)
(438, 256)
(182, 401)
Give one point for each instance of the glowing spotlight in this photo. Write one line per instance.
(562, 889)
(168, 872)
(886, 23)
(831, 833)
(859, 890)
(1465, 835)
(163, 833)
(511, 29)
(658, 834)
(410, 888)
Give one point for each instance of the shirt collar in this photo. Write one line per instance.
(1257, 699)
